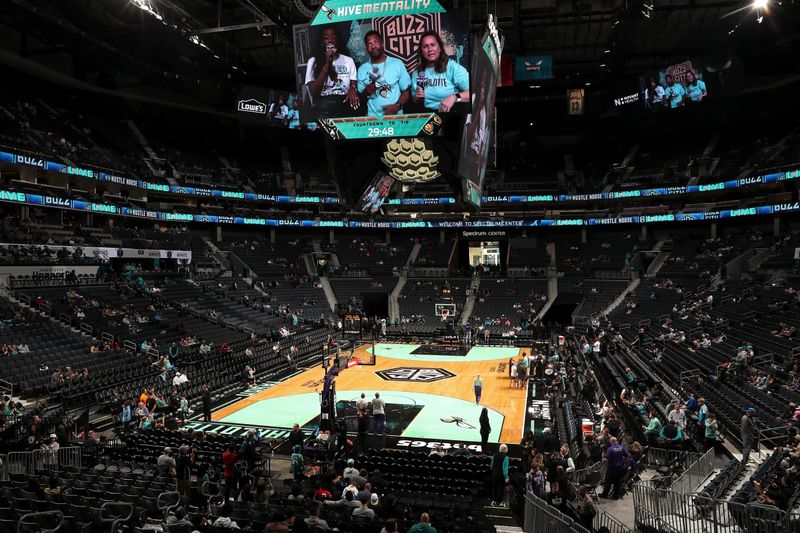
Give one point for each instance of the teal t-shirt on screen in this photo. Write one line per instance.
(440, 85)
(694, 91)
(391, 77)
(675, 94)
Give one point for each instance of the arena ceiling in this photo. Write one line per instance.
(251, 40)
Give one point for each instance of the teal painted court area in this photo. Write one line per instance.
(476, 353)
(285, 411)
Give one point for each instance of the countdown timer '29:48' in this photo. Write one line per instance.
(381, 132)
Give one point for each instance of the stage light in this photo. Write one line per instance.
(760, 4)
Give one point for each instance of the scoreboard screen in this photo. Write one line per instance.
(369, 70)
(352, 324)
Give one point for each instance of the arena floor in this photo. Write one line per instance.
(423, 392)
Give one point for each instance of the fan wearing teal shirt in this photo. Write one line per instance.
(695, 89)
(440, 82)
(384, 80)
(674, 92)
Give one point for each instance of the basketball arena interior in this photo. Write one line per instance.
(400, 266)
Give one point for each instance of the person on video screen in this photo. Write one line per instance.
(374, 198)
(477, 133)
(674, 93)
(383, 80)
(653, 94)
(695, 89)
(440, 82)
(331, 77)
(294, 115)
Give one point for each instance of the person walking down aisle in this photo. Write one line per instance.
(748, 431)
(616, 460)
(499, 469)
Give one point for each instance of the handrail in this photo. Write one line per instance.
(7, 387)
(695, 473)
(30, 521)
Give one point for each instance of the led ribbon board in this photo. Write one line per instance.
(21, 198)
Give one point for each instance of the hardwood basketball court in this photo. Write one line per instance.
(428, 395)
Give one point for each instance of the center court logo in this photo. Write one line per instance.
(252, 106)
(401, 34)
(415, 374)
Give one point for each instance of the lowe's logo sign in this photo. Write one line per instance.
(252, 106)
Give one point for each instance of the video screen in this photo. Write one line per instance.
(477, 134)
(283, 109)
(675, 86)
(377, 193)
(383, 76)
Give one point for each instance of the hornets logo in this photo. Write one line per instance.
(328, 11)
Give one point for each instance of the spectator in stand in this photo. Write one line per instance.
(126, 416)
(556, 498)
(377, 482)
(183, 470)
(678, 416)
(748, 432)
(298, 463)
(565, 457)
(616, 460)
(779, 494)
(702, 416)
(166, 463)
(350, 470)
(229, 459)
(314, 521)
(691, 403)
(499, 473)
(534, 479)
(613, 425)
(585, 509)
(550, 442)
(653, 430)
(278, 523)
(296, 437)
(224, 520)
(423, 526)
(390, 526)
(363, 512)
(711, 432)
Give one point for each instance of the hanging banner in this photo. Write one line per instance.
(527, 68)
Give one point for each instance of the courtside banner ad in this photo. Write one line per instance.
(21, 198)
(33, 161)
